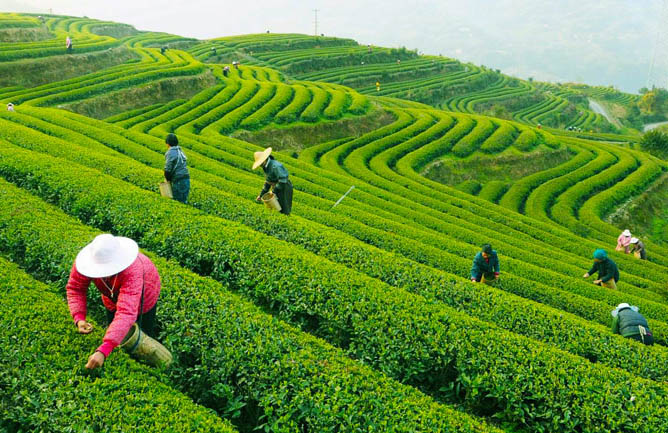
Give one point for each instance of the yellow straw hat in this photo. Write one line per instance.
(261, 157)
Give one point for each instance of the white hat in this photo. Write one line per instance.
(106, 255)
(622, 306)
(626, 232)
(261, 157)
(634, 240)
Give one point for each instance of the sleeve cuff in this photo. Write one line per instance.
(78, 317)
(106, 348)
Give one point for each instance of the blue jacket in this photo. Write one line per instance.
(274, 172)
(175, 164)
(482, 266)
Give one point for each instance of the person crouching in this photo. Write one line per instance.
(128, 282)
(485, 267)
(276, 177)
(629, 323)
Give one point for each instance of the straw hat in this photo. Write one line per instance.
(634, 240)
(106, 255)
(626, 233)
(261, 157)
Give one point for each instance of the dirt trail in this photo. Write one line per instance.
(598, 108)
(651, 126)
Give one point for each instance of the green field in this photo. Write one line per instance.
(358, 318)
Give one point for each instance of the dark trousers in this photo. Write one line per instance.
(647, 340)
(181, 189)
(283, 193)
(145, 321)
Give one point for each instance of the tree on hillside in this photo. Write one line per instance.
(654, 101)
(648, 102)
(655, 142)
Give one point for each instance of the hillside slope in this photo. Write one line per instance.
(359, 317)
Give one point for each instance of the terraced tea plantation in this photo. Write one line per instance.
(355, 318)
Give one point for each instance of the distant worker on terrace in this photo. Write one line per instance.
(130, 288)
(637, 248)
(485, 267)
(623, 241)
(629, 323)
(68, 44)
(276, 177)
(377, 86)
(608, 273)
(10, 107)
(176, 169)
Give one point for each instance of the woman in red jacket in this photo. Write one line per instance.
(127, 280)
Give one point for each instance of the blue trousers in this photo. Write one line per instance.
(181, 189)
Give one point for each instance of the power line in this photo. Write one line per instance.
(658, 68)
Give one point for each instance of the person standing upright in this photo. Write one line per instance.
(176, 169)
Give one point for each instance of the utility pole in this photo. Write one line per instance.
(658, 68)
(315, 22)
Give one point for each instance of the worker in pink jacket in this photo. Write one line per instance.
(624, 241)
(128, 281)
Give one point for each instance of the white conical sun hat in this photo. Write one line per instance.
(621, 306)
(627, 232)
(261, 157)
(107, 255)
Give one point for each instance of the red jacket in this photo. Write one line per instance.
(124, 298)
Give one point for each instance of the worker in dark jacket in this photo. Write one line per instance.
(608, 273)
(629, 323)
(276, 177)
(485, 266)
(637, 248)
(176, 169)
